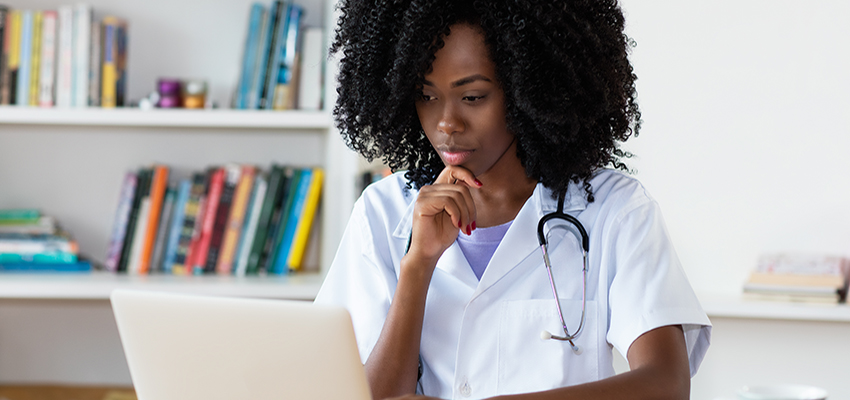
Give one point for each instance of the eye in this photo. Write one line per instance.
(424, 97)
(472, 99)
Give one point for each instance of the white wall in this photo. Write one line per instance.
(746, 128)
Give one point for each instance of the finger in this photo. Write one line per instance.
(456, 174)
(457, 202)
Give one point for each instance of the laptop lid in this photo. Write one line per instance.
(191, 347)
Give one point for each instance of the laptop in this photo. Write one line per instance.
(190, 347)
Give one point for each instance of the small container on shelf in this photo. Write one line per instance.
(194, 93)
(169, 93)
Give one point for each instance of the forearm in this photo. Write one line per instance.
(392, 367)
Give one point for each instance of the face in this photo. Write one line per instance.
(462, 106)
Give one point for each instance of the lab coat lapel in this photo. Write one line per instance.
(520, 241)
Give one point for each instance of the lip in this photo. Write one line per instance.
(455, 157)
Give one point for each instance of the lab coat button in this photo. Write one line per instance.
(465, 389)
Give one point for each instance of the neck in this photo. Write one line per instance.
(505, 189)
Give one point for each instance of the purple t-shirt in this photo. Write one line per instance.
(480, 246)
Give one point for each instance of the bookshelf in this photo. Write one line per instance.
(58, 328)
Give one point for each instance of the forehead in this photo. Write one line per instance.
(464, 53)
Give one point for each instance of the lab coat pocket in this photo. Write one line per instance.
(528, 362)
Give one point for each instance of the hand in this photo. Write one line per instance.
(442, 210)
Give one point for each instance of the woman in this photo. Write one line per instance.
(499, 111)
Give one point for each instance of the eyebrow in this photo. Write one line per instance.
(464, 81)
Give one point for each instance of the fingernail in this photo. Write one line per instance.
(458, 224)
(477, 182)
(473, 225)
(468, 231)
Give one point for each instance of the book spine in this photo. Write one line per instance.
(276, 182)
(162, 232)
(285, 89)
(5, 33)
(35, 64)
(177, 222)
(311, 73)
(95, 64)
(293, 214)
(19, 214)
(216, 186)
(225, 202)
(119, 226)
(49, 246)
(38, 257)
(278, 221)
(251, 223)
(142, 187)
(233, 229)
(190, 231)
(47, 71)
(23, 85)
(275, 56)
(74, 266)
(137, 246)
(249, 56)
(121, 65)
(82, 55)
(109, 69)
(65, 56)
(14, 59)
(305, 221)
(157, 195)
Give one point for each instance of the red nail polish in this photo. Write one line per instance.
(458, 224)
(473, 225)
(477, 182)
(468, 231)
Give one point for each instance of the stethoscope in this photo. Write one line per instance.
(544, 246)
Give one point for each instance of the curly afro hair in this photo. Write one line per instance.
(569, 87)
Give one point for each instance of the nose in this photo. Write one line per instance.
(450, 121)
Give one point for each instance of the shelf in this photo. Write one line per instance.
(130, 117)
(98, 285)
(738, 307)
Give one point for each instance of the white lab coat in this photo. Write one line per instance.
(481, 339)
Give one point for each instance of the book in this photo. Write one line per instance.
(289, 225)
(45, 225)
(25, 67)
(803, 277)
(82, 55)
(50, 267)
(190, 230)
(276, 54)
(64, 56)
(278, 180)
(210, 211)
(121, 65)
(256, 19)
(4, 13)
(305, 221)
(277, 226)
(234, 226)
(19, 215)
(35, 54)
(134, 261)
(311, 72)
(177, 223)
(163, 230)
(285, 90)
(119, 225)
(112, 69)
(251, 222)
(47, 71)
(143, 177)
(13, 53)
(16, 248)
(267, 39)
(225, 203)
(95, 63)
(156, 195)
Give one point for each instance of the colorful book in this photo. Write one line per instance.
(35, 54)
(175, 231)
(225, 203)
(65, 56)
(45, 225)
(48, 267)
(256, 19)
(22, 92)
(210, 211)
(277, 226)
(294, 212)
(119, 225)
(276, 54)
(82, 56)
(258, 85)
(112, 79)
(305, 221)
(278, 180)
(249, 231)
(47, 71)
(121, 65)
(95, 64)
(234, 226)
(37, 248)
(285, 89)
(156, 195)
(13, 59)
(163, 230)
(4, 29)
(190, 230)
(134, 262)
(19, 215)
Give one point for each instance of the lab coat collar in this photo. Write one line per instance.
(519, 242)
